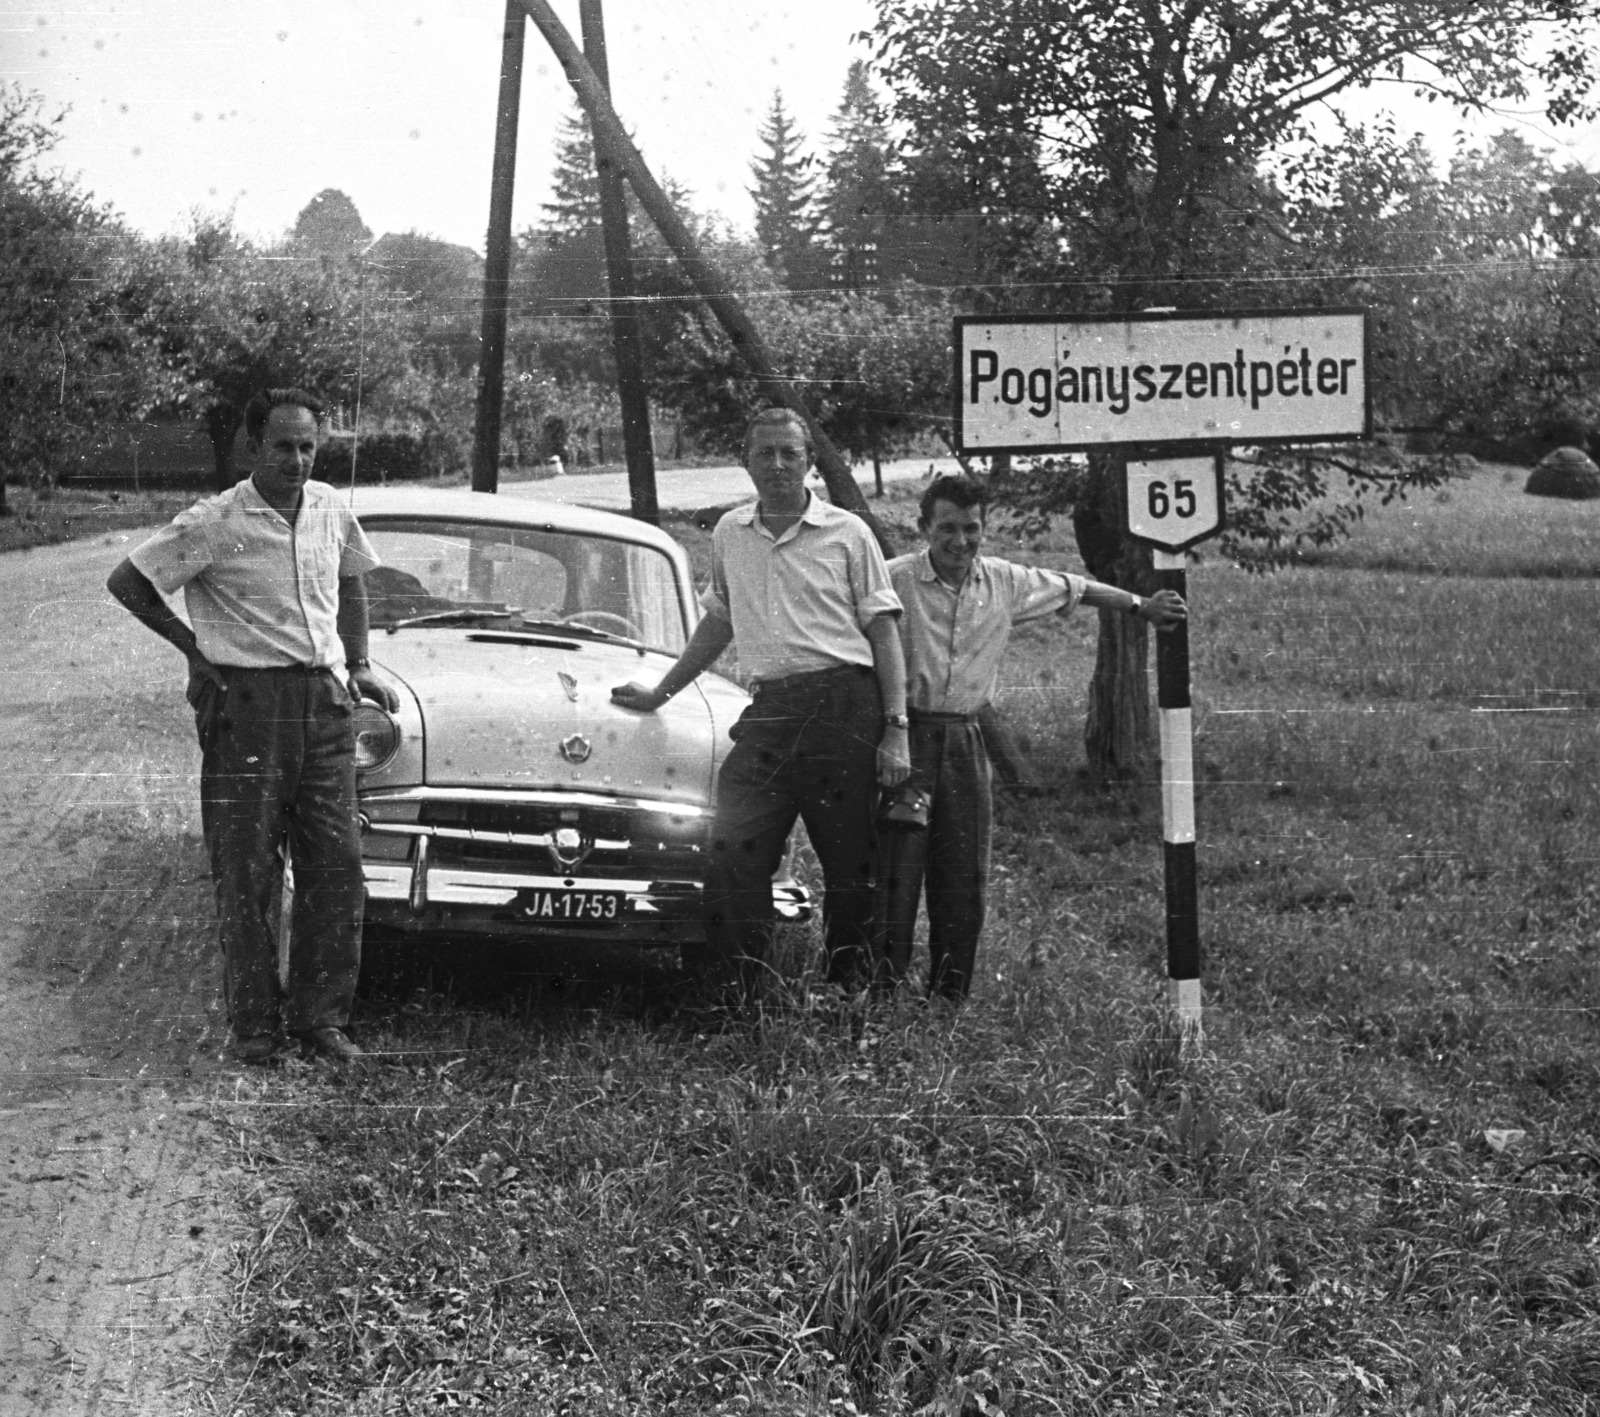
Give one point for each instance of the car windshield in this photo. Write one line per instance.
(440, 572)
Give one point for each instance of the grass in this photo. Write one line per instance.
(48, 516)
(1374, 1191)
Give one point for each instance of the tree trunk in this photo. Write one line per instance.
(1117, 737)
(1116, 733)
(222, 424)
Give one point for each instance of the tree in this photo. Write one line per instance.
(573, 210)
(786, 222)
(858, 191)
(437, 291)
(77, 351)
(431, 275)
(560, 289)
(330, 225)
(1137, 136)
(874, 368)
(238, 319)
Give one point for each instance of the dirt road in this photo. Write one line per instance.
(116, 1252)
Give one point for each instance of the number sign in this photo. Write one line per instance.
(1173, 503)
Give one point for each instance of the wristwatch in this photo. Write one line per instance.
(896, 720)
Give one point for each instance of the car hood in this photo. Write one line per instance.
(498, 706)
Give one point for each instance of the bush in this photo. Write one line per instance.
(388, 457)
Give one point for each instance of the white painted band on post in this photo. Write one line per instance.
(1184, 996)
(1170, 560)
(1177, 775)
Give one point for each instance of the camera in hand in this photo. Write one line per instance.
(904, 808)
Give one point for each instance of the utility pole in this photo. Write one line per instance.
(625, 336)
(611, 138)
(497, 260)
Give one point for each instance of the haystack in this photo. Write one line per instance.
(1567, 472)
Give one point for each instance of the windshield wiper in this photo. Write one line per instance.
(449, 617)
(568, 627)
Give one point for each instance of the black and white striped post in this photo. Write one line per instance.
(1177, 801)
(1173, 504)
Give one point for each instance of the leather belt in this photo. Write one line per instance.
(815, 678)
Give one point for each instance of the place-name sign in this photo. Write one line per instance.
(1030, 385)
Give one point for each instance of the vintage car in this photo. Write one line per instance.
(508, 797)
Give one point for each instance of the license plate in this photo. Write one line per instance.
(559, 907)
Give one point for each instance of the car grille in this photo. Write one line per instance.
(619, 842)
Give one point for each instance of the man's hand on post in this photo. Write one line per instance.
(1165, 609)
(635, 696)
(894, 756)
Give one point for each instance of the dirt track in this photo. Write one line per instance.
(116, 1249)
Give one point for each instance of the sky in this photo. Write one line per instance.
(253, 108)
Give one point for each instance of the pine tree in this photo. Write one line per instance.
(574, 206)
(786, 222)
(859, 190)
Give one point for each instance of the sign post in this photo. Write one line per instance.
(1173, 504)
(1171, 392)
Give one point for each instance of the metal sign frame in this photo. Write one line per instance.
(1168, 448)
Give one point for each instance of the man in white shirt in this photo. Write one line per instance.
(801, 588)
(959, 610)
(271, 573)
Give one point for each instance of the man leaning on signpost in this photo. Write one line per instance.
(959, 610)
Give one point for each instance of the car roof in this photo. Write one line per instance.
(461, 505)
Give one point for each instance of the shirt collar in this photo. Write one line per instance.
(926, 572)
(257, 503)
(814, 515)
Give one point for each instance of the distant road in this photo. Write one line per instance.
(687, 489)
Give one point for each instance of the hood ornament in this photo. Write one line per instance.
(576, 748)
(569, 684)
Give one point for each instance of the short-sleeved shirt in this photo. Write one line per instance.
(261, 593)
(800, 602)
(954, 638)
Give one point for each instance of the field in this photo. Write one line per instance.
(1374, 1190)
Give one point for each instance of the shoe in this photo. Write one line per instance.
(257, 1048)
(331, 1043)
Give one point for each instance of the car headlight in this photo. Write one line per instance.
(377, 737)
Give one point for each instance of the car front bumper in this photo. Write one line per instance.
(430, 891)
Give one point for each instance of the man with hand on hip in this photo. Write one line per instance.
(959, 610)
(800, 587)
(271, 573)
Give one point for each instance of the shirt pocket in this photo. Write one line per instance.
(319, 555)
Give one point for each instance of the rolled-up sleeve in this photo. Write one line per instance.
(714, 598)
(1035, 592)
(869, 581)
(177, 553)
(356, 556)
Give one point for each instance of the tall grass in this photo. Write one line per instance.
(1375, 1191)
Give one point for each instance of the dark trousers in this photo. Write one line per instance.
(806, 749)
(278, 765)
(950, 860)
